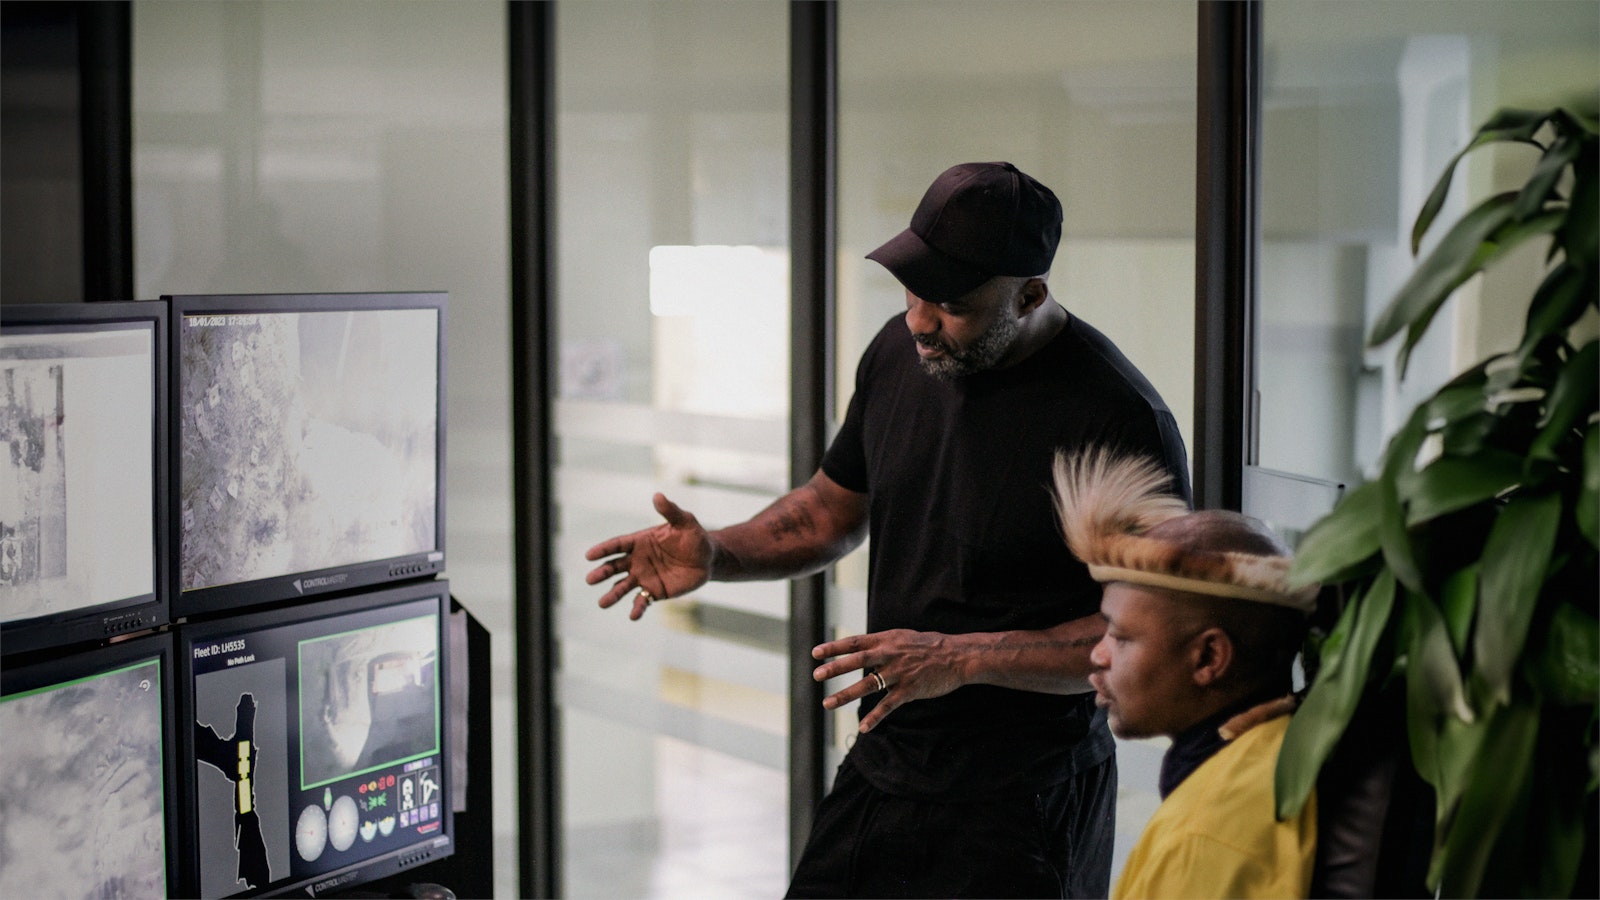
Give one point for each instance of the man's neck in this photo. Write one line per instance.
(1038, 328)
(1199, 740)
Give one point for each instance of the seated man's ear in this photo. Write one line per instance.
(1211, 656)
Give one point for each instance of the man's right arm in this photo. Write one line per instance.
(802, 532)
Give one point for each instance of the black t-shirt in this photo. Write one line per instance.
(964, 539)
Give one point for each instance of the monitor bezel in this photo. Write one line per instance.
(292, 587)
(46, 670)
(139, 612)
(390, 862)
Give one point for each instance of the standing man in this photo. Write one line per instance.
(982, 766)
(1201, 633)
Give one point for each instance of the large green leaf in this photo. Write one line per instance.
(1515, 558)
(1588, 505)
(1452, 747)
(1559, 301)
(1340, 541)
(1459, 413)
(1461, 398)
(1519, 125)
(1500, 780)
(1399, 472)
(1458, 255)
(1431, 661)
(1434, 695)
(1567, 669)
(1458, 599)
(1581, 237)
(1463, 253)
(1333, 697)
(1537, 189)
(1395, 537)
(1570, 403)
(1452, 483)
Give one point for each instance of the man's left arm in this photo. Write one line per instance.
(919, 665)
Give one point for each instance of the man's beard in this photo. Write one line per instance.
(983, 353)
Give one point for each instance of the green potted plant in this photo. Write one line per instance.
(1466, 570)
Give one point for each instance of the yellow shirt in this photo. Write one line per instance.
(1216, 835)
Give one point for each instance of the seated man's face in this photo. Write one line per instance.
(1143, 664)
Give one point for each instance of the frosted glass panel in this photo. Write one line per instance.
(673, 332)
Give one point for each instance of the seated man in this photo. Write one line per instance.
(1201, 631)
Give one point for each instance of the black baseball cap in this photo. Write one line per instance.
(976, 221)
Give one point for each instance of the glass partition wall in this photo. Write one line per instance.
(1364, 102)
(1096, 99)
(672, 324)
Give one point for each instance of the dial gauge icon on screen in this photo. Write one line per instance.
(344, 820)
(311, 832)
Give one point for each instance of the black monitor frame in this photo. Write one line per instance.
(147, 609)
(212, 640)
(295, 586)
(62, 667)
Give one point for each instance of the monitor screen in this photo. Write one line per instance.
(316, 747)
(308, 436)
(85, 739)
(83, 472)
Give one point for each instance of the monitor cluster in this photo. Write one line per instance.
(223, 620)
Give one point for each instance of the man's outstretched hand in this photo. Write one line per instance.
(668, 560)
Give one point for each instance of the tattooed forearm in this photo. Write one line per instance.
(797, 534)
(789, 521)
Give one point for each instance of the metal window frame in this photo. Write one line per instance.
(813, 237)
(1227, 241)
(105, 69)
(530, 28)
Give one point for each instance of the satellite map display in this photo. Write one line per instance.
(309, 441)
(82, 781)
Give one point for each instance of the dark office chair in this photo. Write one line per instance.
(1374, 812)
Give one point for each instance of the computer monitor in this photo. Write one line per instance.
(315, 743)
(83, 473)
(87, 742)
(308, 445)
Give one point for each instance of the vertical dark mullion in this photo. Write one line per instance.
(105, 115)
(813, 112)
(531, 57)
(1227, 237)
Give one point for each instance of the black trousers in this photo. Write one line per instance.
(866, 843)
